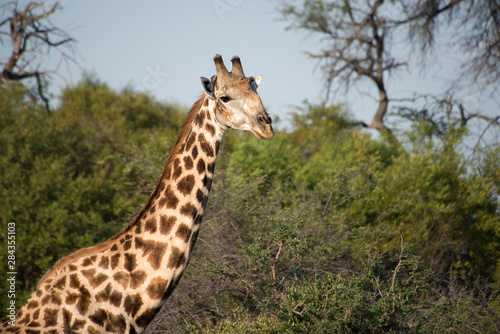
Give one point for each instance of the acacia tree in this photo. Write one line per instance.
(357, 39)
(31, 35)
(360, 37)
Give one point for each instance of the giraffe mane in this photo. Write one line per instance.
(183, 133)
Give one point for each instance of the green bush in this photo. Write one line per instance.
(385, 296)
(282, 247)
(72, 178)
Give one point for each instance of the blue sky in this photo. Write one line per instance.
(163, 47)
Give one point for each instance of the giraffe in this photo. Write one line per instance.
(118, 286)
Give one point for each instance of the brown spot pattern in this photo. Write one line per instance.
(194, 236)
(130, 262)
(50, 317)
(198, 120)
(190, 140)
(205, 146)
(115, 259)
(211, 167)
(199, 195)
(104, 294)
(99, 317)
(217, 146)
(25, 320)
(183, 232)
(74, 282)
(32, 304)
(67, 319)
(34, 324)
(198, 220)
(115, 298)
(176, 259)
(92, 330)
(36, 314)
(181, 149)
(188, 162)
(145, 318)
(86, 262)
(157, 288)
(83, 301)
(116, 323)
(121, 278)
(169, 199)
(166, 224)
(207, 182)
(150, 225)
(53, 298)
(104, 263)
(71, 298)
(127, 245)
(132, 304)
(78, 325)
(153, 250)
(177, 169)
(201, 166)
(210, 128)
(186, 184)
(189, 210)
(195, 152)
(137, 278)
(94, 279)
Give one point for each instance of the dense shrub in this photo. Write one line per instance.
(74, 177)
(288, 223)
(283, 245)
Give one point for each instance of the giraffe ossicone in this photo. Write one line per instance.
(118, 286)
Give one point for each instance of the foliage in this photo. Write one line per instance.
(289, 220)
(73, 177)
(283, 246)
(385, 296)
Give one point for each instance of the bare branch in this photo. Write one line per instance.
(31, 35)
(359, 38)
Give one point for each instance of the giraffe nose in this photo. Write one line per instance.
(264, 129)
(264, 119)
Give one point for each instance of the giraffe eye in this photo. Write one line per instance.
(224, 99)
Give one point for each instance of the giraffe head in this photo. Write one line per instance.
(237, 104)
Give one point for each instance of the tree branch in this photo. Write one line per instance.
(31, 35)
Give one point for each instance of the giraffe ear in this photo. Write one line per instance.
(257, 79)
(208, 86)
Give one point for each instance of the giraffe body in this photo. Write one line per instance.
(118, 286)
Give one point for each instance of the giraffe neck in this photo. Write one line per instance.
(175, 209)
(165, 230)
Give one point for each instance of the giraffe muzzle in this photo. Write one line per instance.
(263, 128)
